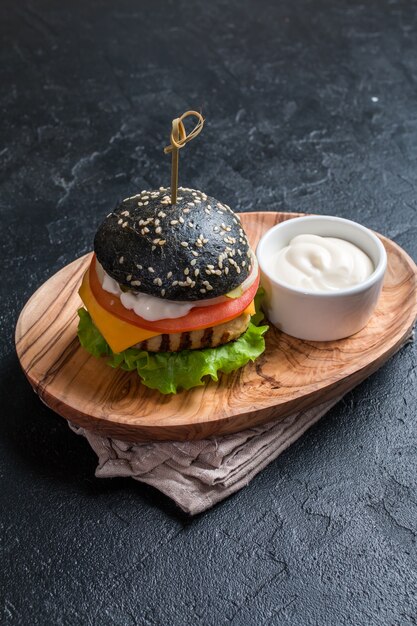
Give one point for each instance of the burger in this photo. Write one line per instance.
(170, 291)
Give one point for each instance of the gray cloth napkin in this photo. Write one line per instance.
(198, 474)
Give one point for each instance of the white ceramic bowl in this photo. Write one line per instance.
(320, 316)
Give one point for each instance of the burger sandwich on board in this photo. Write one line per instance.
(171, 286)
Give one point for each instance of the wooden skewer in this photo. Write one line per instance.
(179, 138)
(174, 161)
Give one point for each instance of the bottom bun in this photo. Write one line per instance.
(196, 339)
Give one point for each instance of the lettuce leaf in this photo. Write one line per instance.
(170, 371)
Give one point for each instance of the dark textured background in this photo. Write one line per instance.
(310, 106)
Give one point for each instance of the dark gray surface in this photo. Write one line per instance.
(310, 106)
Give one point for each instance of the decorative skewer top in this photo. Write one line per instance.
(179, 138)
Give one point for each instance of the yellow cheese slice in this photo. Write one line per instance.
(119, 334)
(250, 308)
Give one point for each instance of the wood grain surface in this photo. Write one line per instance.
(290, 375)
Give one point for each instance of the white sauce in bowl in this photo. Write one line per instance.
(321, 264)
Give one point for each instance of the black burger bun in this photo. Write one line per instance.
(193, 250)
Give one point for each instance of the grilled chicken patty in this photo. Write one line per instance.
(195, 339)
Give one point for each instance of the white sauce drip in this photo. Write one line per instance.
(144, 305)
(152, 308)
(313, 263)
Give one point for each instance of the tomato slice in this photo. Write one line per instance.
(200, 317)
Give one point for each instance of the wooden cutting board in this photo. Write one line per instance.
(290, 375)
